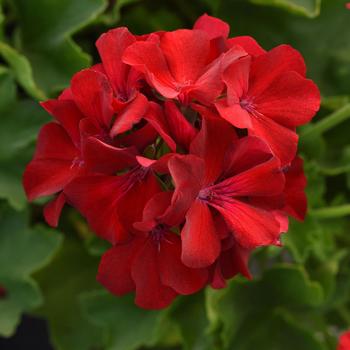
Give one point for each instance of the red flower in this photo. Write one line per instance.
(147, 146)
(344, 341)
(270, 96)
(150, 262)
(203, 184)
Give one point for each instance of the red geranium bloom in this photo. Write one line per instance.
(203, 184)
(150, 262)
(270, 96)
(344, 341)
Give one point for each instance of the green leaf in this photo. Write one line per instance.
(48, 44)
(7, 88)
(71, 273)
(236, 308)
(127, 327)
(308, 8)
(22, 70)
(23, 251)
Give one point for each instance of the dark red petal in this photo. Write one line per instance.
(248, 44)
(97, 197)
(150, 292)
(148, 58)
(213, 26)
(93, 95)
(156, 118)
(234, 114)
(101, 157)
(188, 175)
(282, 141)
(54, 143)
(290, 100)
(67, 114)
(47, 176)
(251, 227)
(173, 272)
(130, 115)
(200, 241)
(157, 205)
(270, 65)
(52, 210)
(212, 142)
(264, 179)
(186, 52)
(295, 198)
(114, 271)
(244, 154)
(111, 46)
(181, 129)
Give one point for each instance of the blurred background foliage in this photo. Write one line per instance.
(300, 295)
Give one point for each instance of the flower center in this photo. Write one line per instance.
(248, 105)
(77, 162)
(158, 233)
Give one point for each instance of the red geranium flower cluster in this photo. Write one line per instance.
(180, 150)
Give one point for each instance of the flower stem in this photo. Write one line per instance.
(331, 212)
(328, 122)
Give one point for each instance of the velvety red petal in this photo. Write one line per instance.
(93, 95)
(150, 292)
(265, 68)
(213, 26)
(67, 114)
(97, 197)
(130, 116)
(248, 44)
(101, 157)
(53, 209)
(114, 271)
(182, 130)
(148, 58)
(186, 52)
(251, 227)
(174, 273)
(140, 138)
(264, 179)
(234, 114)
(111, 47)
(47, 176)
(156, 206)
(282, 141)
(188, 174)
(244, 154)
(290, 100)
(211, 143)
(200, 242)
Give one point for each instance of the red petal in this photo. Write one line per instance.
(140, 138)
(188, 175)
(130, 116)
(248, 44)
(234, 114)
(150, 292)
(148, 58)
(290, 100)
(52, 210)
(265, 179)
(111, 47)
(174, 273)
(200, 242)
(267, 67)
(67, 114)
(114, 271)
(212, 142)
(97, 198)
(251, 227)
(282, 141)
(156, 118)
(103, 158)
(182, 131)
(93, 95)
(186, 52)
(213, 26)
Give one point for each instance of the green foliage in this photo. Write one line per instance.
(300, 295)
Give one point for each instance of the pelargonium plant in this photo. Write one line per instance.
(180, 149)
